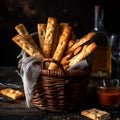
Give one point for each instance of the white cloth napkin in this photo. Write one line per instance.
(30, 71)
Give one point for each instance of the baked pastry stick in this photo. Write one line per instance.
(65, 60)
(49, 37)
(82, 41)
(74, 49)
(61, 47)
(41, 27)
(12, 93)
(62, 26)
(77, 50)
(71, 42)
(68, 56)
(96, 114)
(27, 46)
(55, 39)
(87, 50)
(21, 29)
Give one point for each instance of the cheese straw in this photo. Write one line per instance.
(61, 47)
(26, 46)
(87, 50)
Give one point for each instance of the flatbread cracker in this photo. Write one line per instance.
(96, 114)
(12, 93)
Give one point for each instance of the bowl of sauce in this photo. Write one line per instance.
(109, 94)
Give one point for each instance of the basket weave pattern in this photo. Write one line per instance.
(60, 91)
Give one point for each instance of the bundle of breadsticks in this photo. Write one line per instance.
(57, 41)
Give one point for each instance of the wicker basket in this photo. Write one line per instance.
(60, 91)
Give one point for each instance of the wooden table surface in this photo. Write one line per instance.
(18, 110)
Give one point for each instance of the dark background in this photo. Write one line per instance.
(79, 13)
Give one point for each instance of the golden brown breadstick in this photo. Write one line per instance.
(49, 37)
(87, 50)
(41, 27)
(73, 36)
(70, 43)
(77, 50)
(65, 61)
(82, 41)
(21, 29)
(65, 66)
(66, 58)
(26, 46)
(62, 26)
(61, 47)
(55, 39)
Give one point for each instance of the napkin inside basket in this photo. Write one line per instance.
(29, 70)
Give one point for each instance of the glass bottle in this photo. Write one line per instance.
(101, 68)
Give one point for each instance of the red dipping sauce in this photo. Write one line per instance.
(109, 97)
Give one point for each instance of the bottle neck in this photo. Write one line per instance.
(98, 19)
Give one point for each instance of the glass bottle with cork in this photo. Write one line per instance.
(101, 68)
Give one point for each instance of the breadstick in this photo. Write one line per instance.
(41, 34)
(49, 37)
(77, 50)
(73, 36)
(65, 60)
(62, 26)
(55, 39)
(70, 43)
(87, 50)
(26, 46)
(61, 47)
(82, 41)
(21, 29)
(65, 66)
